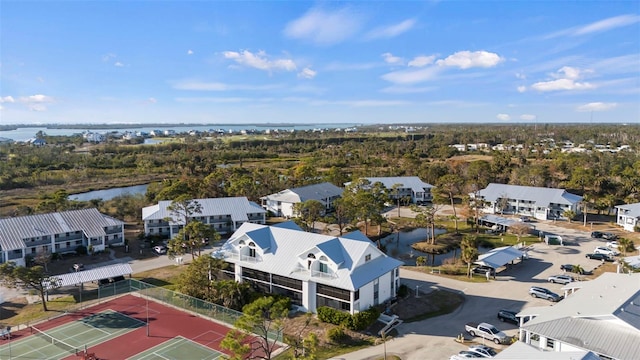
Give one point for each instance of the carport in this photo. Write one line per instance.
(499, 223)
(499, 257)
(83, 276)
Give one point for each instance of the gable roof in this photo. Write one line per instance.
(499, 256)
(90, 221)
(541, 196)
(237, 207)
(310, 192)
(632, 210)
(597, 317)
(289, 245)
(412, 182)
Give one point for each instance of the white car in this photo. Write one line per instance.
(560, 279)
(483, 350)
(605, 251)
(612, 244)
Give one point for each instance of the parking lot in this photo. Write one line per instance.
(434, 338)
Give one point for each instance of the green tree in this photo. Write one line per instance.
(569, 214)
(309, 212)
(28, 278)
(231, 294)
(449, 186)
(263, 319)
(426, 218)
(519, 230)
(197, 279)
(191, 239)
(626, 245)
(364, 200)
(340, 215)
(395, 191)
(468, 252)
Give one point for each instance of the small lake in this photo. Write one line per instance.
(109, 194)
(398, 245)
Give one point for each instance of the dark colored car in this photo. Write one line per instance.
(596, 234)
(600, 257)
(508, 316)
(567, 267)
(482, 270)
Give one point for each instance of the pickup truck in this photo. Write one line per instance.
(486, 331)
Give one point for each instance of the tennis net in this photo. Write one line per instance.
(59, 343)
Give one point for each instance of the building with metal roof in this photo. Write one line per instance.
(602, 316)
(223, 214)
(348, 273)
(498, 257)
(628, 216)
(84, 276)
(410, 187)
(281, 203)
(538, 202)
(522, 351)
(60, 232)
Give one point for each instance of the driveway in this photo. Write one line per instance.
(434, 338)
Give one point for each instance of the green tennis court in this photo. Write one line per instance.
(71, 338)
(178, 348)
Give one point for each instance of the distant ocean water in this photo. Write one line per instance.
(26, 133)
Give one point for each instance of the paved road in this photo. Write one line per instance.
(434, 338)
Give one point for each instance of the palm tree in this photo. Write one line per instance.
(468, 252)
(626, 245)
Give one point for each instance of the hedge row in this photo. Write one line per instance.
(358, 321)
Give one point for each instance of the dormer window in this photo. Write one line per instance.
(323, 268)
(367, 257)
(252, 249)
(310, 259)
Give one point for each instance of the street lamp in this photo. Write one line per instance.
(384, 343)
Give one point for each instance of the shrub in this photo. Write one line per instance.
(403, 290)
(336, 335)
(333, 316)
(364, 319)
(81, 250)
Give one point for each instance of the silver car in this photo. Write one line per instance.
(560, 279)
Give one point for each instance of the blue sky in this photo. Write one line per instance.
(319, 62)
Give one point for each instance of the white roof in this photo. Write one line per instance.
(602, 316)
(412, 182)
(310, 192)
(84, 276)
(237, 207)
(632, 210)
(283, 245)
(523, 351)
(90, 221)
(538, 195)
(499, 256)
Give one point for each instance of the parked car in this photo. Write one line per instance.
(612, 244)
(78, 267)
(560, 279)
(609, 236)
(566, 267)
(600, 257)
(604, 250)
(508, 316)
(464, 354)
(486, 331)
(524, 219)
(160, 249)
(485, 351)
(482, 269)
(542, 293)
(596, 234)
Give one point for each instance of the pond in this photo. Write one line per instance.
(109, 194)
(398, 245)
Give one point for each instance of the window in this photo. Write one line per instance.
(252, 252)
(356, 295)
(376, 290)
(324, 268)
(550, 343)
(367, 257)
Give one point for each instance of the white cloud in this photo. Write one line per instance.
(218, 86)
(152, 100)
(565, 79)
(325, 27)
(503, 117)
(393, 60)
(412, 76)
(7, 99)
(522, 89)
(260, 60)
(406, 89)
(607, 24)
(420, 61)
(338, 66)
(1, 107)
(108, 57)
(391, 31)
(468, 59)
(596, 106)
(36, 102)
(527, 117)
(520, 76)
(361, 103)
(189, 52)
(307, 73)
(118, 64)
